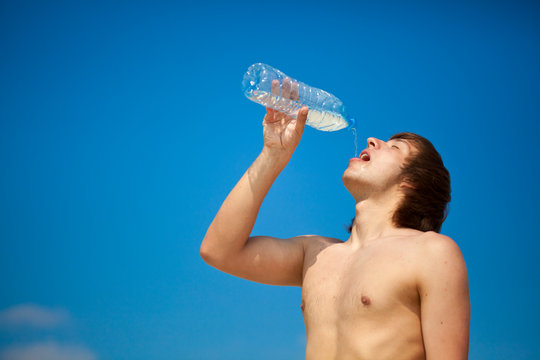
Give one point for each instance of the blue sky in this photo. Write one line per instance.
(123, 128)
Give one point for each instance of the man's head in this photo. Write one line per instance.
(408, 166)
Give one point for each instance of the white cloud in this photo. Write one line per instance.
(49, 350)
(32, 315)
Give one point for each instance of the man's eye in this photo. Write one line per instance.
(395, 147)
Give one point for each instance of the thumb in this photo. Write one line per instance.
(301, 119)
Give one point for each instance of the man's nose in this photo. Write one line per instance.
(373, 143)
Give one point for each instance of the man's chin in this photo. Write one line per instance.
(350, 179)
(350, 184)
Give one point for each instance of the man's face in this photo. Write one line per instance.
(378, 167)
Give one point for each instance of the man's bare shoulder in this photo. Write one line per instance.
(438, 245)
(317, 243)
(321, 239)
(437, 252)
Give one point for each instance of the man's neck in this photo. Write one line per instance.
(373, 219)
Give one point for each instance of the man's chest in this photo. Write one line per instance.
(364, 285)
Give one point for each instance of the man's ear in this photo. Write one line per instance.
(406, 184)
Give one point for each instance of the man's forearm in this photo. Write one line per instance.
(234, 221)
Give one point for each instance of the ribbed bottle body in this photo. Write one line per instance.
(326, 112)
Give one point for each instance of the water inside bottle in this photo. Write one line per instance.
(321, 120)
(325, 120)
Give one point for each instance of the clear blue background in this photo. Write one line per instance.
(123, 128)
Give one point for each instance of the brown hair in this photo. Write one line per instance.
(424, 206)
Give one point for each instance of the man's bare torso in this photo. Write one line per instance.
(362, 302)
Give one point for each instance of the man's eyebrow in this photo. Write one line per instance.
(403, 141)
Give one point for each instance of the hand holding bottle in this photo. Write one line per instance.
(282, 132)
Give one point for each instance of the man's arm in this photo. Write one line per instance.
(444, 300)
(226, 245)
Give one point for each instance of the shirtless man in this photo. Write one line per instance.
(396, 289)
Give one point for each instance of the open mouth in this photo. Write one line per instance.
(364, 155)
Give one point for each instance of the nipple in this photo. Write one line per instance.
(365, 300)
(302, 306)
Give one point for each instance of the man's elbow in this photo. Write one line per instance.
(220, 252)
(213, 254)
(207, 254)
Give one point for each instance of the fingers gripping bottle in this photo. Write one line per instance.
(326, 112)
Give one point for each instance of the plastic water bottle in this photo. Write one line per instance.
(326, 112)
